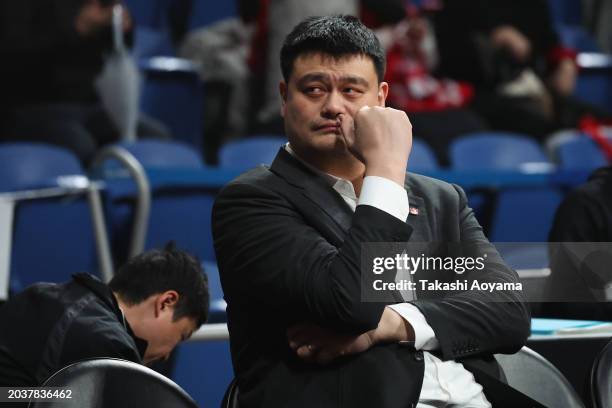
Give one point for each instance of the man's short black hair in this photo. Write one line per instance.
(157, 271)
(337, 36)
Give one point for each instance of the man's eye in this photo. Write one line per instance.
(314, 90)
(352, 91)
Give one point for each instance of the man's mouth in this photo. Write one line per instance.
(328, 127)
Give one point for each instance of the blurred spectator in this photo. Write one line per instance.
(221, 51)
(509, 50)
(53, 51)
(584, 216)
(437, 107)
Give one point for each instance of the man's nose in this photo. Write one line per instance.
(335, 104)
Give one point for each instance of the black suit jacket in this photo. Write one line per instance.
(288, 249)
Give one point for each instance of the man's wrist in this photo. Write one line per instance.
(392, 328)
(390, 171)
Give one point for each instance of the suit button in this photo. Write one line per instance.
(418, 356)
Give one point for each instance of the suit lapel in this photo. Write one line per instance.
(318, 192)
(314, 189)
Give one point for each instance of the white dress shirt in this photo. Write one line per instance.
(445, 383)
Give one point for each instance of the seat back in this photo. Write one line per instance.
(519, 214)
(574, 150)
(206, 12)
(109, 382)
(156, 153)
(601, 379)
(577, 38)
(245, 154)
(176, 98)
(594, 84)
(52, 234)
(422, 157)
(534, 376)
(494, 151)
(178, 211)
(524, 214)
(34, 165)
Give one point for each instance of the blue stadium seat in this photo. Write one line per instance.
(204, 369)
(152, 42)
(149, 13)
(250, 152)
(522, 214)
(577, 38)
(495, 151)
(566, 12)
(576, 151)
(52, 231)
(594, 82)
(206, 12)
(178, 212)
(422, 157)
(173, 93)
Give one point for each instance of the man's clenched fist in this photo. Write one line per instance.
(381, 138)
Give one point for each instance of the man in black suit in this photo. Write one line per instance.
(289, 239)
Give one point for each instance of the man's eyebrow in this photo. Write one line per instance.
(322, 77)
(313, 77)
(356, 80)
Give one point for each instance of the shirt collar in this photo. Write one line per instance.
(341, 186)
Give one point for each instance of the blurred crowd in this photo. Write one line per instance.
(454, 66)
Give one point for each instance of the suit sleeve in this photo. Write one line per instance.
(268, 253)
(476, 322)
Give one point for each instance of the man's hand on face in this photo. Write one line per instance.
(381, 138)
(315, 344)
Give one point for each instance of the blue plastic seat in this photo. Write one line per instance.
(34, 165)
(576, 151)
(520, 214)
(247, 153)
(149, 13)
(179, 212)
(566, 12)
(52, 236)
(152, 42)
(422, 158)
(577, 38)
(494, 151)
(204, 369)
(173, 93)
(206, 12)
(594, 82)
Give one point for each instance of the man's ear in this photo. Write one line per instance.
(383, 91)
(166, 300)
(282, 87)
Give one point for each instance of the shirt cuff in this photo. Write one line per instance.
(386, 195)
(424, 336)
